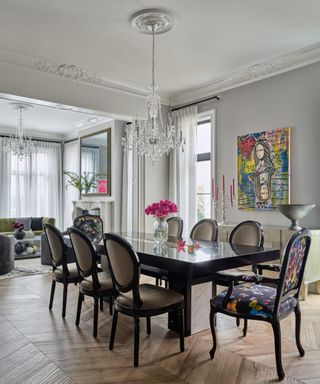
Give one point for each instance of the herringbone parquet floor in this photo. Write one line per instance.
(38, 346)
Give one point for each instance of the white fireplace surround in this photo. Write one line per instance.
(105, 206)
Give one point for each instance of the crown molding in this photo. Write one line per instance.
(281, 64)
(69, 72)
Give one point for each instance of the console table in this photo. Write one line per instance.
(277, 237)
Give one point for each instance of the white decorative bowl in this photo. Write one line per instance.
(295, 212)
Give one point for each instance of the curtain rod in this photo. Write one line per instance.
(217, 97)
(35, 139)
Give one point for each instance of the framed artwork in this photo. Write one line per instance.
(264, 169)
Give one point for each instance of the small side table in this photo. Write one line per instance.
(6, 254)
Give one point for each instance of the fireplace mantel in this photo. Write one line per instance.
(106, 207)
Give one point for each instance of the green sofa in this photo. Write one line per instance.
(6, 224)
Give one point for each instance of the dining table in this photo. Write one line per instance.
(192, 274)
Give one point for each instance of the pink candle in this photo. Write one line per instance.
(231, 194)
(233, 191)
(212, 189)
(223, 186)
(217, 193)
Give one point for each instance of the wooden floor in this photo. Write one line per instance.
(38, 346)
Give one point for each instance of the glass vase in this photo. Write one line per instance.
(160, 231)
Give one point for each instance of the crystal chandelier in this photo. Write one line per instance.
(151, 137)
(20, 145)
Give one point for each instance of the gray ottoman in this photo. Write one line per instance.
(6, 254)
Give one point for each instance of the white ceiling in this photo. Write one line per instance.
(48, 120)
(211, 39)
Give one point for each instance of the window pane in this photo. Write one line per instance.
(203, 176)
(204, 138)
(203, 207)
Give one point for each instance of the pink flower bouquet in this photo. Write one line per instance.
(161, 209)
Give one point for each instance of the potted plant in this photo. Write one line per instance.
(84, 182)
(19, 233)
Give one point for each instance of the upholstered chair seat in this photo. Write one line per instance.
(72, 271)
(105, 283)
(152, 298)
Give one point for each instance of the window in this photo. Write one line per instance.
(203, 168)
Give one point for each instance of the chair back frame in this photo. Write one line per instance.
(92, 271)
(303, 235)
(212, 222)
(63, 261)
(180, 223)
(133, 285)
(253, 223)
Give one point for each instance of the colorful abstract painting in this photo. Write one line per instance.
(264, 169)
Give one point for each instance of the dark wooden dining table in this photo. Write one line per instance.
(186, 270)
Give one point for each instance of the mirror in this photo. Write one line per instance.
(95, 161)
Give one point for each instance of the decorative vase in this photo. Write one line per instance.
(160, 231)
(30, 250)
(19, 248)
(19, 234)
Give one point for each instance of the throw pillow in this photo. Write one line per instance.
(26, 221)
(36, 223)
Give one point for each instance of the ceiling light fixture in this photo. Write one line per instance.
(151, 137)
(20, 145)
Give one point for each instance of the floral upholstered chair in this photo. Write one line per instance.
(259, 302)
(91, 226)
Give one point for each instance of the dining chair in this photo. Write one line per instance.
(256, 301)
(91, 226)
(248, 232)
(175, 227)
(61, 271)
(135, 299)
(95, 284)
(205, 230)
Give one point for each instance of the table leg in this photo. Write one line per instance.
(183, 287)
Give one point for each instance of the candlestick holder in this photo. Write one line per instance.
(221, 205)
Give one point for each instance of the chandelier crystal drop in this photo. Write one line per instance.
(18, 144)
(151, 137)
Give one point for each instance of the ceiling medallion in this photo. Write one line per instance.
(68, 71)
(151, 137)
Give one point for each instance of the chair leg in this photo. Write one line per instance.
(53, 287)
(113, 329)
(245, 327)
(80, 300)
(157, 281)
(181, 328)
(64, 301)
(277, 345)
(298, 327)
(148, 325)
(136, 341)
(213, 332)
(95, 316)
(110, 305)
(166, 284)
(238, 321)
(101, 303)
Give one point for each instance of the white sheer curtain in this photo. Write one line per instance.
(182, 168)
(133, 192)
(32, 186)
(71, 163)
(89, 159)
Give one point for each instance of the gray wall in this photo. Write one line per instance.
(287, 100)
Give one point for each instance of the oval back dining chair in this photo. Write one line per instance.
(175, 227)
(62, 272)
(205, 230)
(137, 300)
(257, 301)
(91, 226)
(94, 284)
